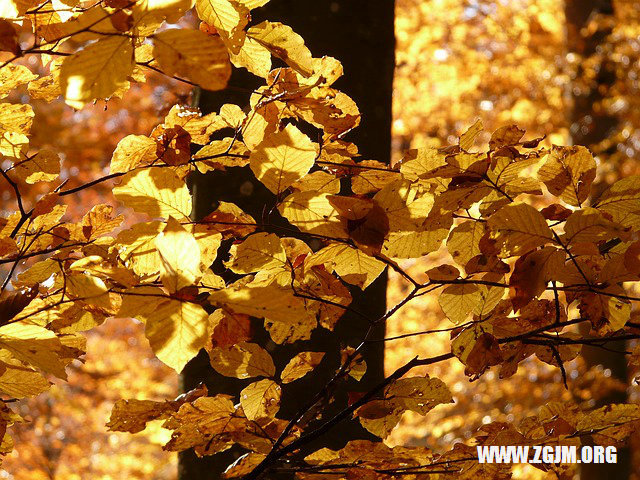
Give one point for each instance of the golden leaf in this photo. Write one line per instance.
(131, 152)
(458, 301)
(243, 360)
(176, 331)
(180, 256)
(312, 212)
(228, 17)
(352, 265)
(622, 201)
(285, 44)
(252, 56)
(193, 55)
(468, 138)
(89, 289)
(97, 72)
(464, 241)
(259, 252)
(19, 382)
(44, 166)
(419, 394)
(283, 158)
(264, 299)
(519, 228)
(12, 76)
(138, 247)
(300, 365)
(155, 191)
(568, 173)
(318, 181)
(261, 399)
(34, 345)
(590, 226)
(132, 415)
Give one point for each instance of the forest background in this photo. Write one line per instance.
(501, 62)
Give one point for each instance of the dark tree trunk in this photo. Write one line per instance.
(590, 124)
(359, 33)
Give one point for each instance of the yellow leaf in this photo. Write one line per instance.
(96, 265)
(132, 415)
(229, 18)
(176, 332)
(89, 289)
(458, 301)
(320, 182)
(15, 8)
(607, 418)
(180, 256)
(261, 399)
(193, 55)
(148, 15)
(243, 360)
(20, 382)
(262, 300)
(519, 228)
(132, 151)
(34, 345)
(11, 76)
(312, 212)
(158, 192)
(259, 252)
(209, 240)
(622, 201)
(353, 266)
(140, 301)
(99, 221)
(138, 250)
(15, 123)
(283, 158)
(200, 422)
(251, 4)
(590, 226)
(468, 138)
(464, 241)
(285, 44)
(568, 173)
(97, 72)
(300, 365)
(254, 57)
(44, 166)
(419, 394)
(198, 126)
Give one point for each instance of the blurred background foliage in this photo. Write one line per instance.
(506, 61)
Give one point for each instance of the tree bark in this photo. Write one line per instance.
(590, 124)
(359, 33)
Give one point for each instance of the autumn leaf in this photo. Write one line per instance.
(283, 158)
(131, 152)
(352, 265)
(260, 252)
(180, 256)
(300, 365)
(519, 228)
(193, 55)
(99, 71)
(157, 192)
(285, 44)
(229, 17)
(244, 360)
(568, 174)
(176, 331)
(261, 399)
